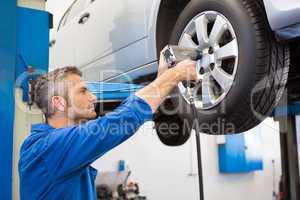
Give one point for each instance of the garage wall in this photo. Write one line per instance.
(169, 173)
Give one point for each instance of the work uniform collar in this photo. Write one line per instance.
(40, 127)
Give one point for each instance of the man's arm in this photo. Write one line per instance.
(166, 81)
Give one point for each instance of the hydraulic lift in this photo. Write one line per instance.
(24, 50)
(289, 141)
(289, 127)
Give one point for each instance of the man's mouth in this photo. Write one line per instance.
(92, 106)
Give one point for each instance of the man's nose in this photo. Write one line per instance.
(93, 98)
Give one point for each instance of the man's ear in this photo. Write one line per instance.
(59, 103)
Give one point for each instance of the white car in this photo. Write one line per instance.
(248, 47)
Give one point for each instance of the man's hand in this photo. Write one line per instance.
(186, 69)
(166, 81)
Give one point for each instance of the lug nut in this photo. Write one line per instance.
(201, 71)
(190, 84)
(211, 50)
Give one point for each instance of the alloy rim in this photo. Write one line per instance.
(213, 35)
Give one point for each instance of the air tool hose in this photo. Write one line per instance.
(198, 143)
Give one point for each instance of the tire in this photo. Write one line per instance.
(170, 127)
(260, 73)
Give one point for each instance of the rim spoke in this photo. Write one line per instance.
(217, 30)
(182, 89)
(224, 79)
(207, 95)
(201, 30)
(186, 41)
(230, 50)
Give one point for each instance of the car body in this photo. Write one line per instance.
(282, 14)
(120, 36)
(117, 43)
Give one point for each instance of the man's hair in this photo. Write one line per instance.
(52, 84)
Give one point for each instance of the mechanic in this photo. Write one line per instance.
(55, 159)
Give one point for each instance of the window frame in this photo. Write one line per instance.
(64, 18)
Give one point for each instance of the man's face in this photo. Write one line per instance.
(80, 100)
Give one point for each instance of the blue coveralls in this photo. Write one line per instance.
(55, 163)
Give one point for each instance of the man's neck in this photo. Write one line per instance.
(60, 121)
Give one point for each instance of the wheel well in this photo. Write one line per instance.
(168, 14)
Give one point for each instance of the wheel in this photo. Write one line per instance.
(171, 129)
(243, 72)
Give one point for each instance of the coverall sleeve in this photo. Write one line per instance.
(70, 149)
